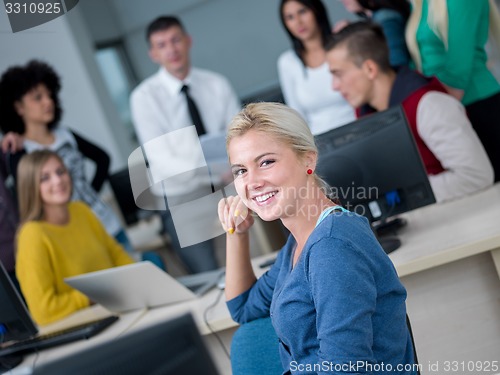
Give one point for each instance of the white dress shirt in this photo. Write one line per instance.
(445, 129)
(309, 91)
(159, 107)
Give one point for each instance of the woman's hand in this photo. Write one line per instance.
(234, 216)
(12, 142)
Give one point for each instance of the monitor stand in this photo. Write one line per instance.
(389, 226)
(385, 231)
(389, 243)
(9, 362)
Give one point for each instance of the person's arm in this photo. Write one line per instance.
(247, 298)
(236, 220)
(117, 253)
(12, 142)
(464, 22)
(345, 298)
(288, 68)
(34, 270)
(445, 129)
(98, 156)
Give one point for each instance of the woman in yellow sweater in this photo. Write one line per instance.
(57, 239)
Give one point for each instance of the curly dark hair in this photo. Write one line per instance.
(16, 82)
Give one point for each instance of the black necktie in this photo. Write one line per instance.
(193, 112)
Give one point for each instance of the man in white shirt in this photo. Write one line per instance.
(164, 103)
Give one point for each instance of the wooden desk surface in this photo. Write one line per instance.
(442, 233)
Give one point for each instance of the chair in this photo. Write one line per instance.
(415, 358)
(255, 349)
(122, 190)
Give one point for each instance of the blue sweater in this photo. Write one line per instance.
(341, 303)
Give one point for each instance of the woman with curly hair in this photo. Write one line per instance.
(30, 107)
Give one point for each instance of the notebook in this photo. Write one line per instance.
(19, 333)
(137, 286)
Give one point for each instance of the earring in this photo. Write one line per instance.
(309, 171)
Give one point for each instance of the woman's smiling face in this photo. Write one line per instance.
(268, 174)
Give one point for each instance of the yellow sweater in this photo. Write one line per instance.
(48, 253)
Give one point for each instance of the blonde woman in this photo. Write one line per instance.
(446, 39)
(57, 239)
(333, 295)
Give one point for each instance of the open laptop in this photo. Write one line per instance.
(19, 334)
(137, 286)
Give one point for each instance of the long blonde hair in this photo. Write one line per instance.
(29, 172)
(437, 18)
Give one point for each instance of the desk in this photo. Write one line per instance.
(449, 263)
(218, 318)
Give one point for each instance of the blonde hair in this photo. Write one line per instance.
(437, 18)
(29, 173)
(279, 122)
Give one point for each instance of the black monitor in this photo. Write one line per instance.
(15, 320)
(374, 166)
(170, 348)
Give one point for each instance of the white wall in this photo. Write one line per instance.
(84, 99)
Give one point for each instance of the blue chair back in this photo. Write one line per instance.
(255, 349)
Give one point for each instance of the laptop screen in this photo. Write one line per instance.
(15, 320)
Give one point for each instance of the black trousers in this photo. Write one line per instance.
(485, 118)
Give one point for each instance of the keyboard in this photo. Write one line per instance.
(200, 283)
(79, 332)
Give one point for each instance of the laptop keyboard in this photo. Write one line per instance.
(80, 332)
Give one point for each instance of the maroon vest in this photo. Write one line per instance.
(410, 105)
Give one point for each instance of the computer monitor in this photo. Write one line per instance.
(374, 166)
(171, 348)
(15, 320)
